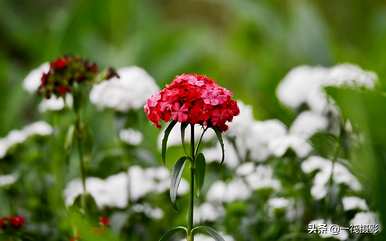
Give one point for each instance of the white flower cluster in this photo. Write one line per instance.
(9, 179)
(131, 136)
(326, 169)
(304, 84)
(118, 189)
(127, 92)
(15, 137)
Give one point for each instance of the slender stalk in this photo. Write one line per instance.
(79, 138)
(192, 176)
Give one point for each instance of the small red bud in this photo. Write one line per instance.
(104, 221)
(60, 63)
(17, 221)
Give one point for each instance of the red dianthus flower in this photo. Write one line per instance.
(192, 99)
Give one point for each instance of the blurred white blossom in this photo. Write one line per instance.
(131, 136)
(304, 84)
(208, 212)
(327, 170)
(55, 103)
(116, 190)
(129, 91)
(148, 210)
(262, 178)
(31, 82)
(14, 137)
(235, 190)
(354, 203)
(9, 179)
(307, 124)
(364, 218)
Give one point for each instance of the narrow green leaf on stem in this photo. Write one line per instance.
(200, 172)
(209, 231)
(172, 232)
(177, 171)
(219, 137)
(165, 140)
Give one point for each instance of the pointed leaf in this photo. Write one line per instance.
(178, 169)
(209, 231)
(165, 140)
(183, 127)
(172, 232)
(219, 137)
(200, 172)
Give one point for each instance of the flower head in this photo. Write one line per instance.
(193, 99)
(65, 72)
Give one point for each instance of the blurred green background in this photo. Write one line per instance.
(247, 45)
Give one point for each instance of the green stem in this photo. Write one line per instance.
(192, 175)
(79, 137)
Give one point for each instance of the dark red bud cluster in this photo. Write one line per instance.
(14, 222)
(65, 72)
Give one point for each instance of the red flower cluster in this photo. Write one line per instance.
(15, 222)
(193, 99)
(65, 72)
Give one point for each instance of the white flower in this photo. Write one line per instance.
(235, 190)
(354, 203)
(111, 192)
(260, 134)
(6, 180)
(314, 163)
(279, 203)
(245, 169)
(15, 137)
(149, 211)
(351, 75)
(214, 154)
(240, 125)
(131, 136)
(208, 212)
(340, 175)
(307, 124)
(281, 145)
(364, 218)
(304, 84)
(31, 82)
(217, 191)
(130, 91)
(262, 178)
(55, 103)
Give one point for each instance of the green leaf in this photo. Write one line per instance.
(219, 137)
(183, 127)
(69, 138)
(209, 231)
(200, 172)
(178, 169)
(172, 232)
(165, 140)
